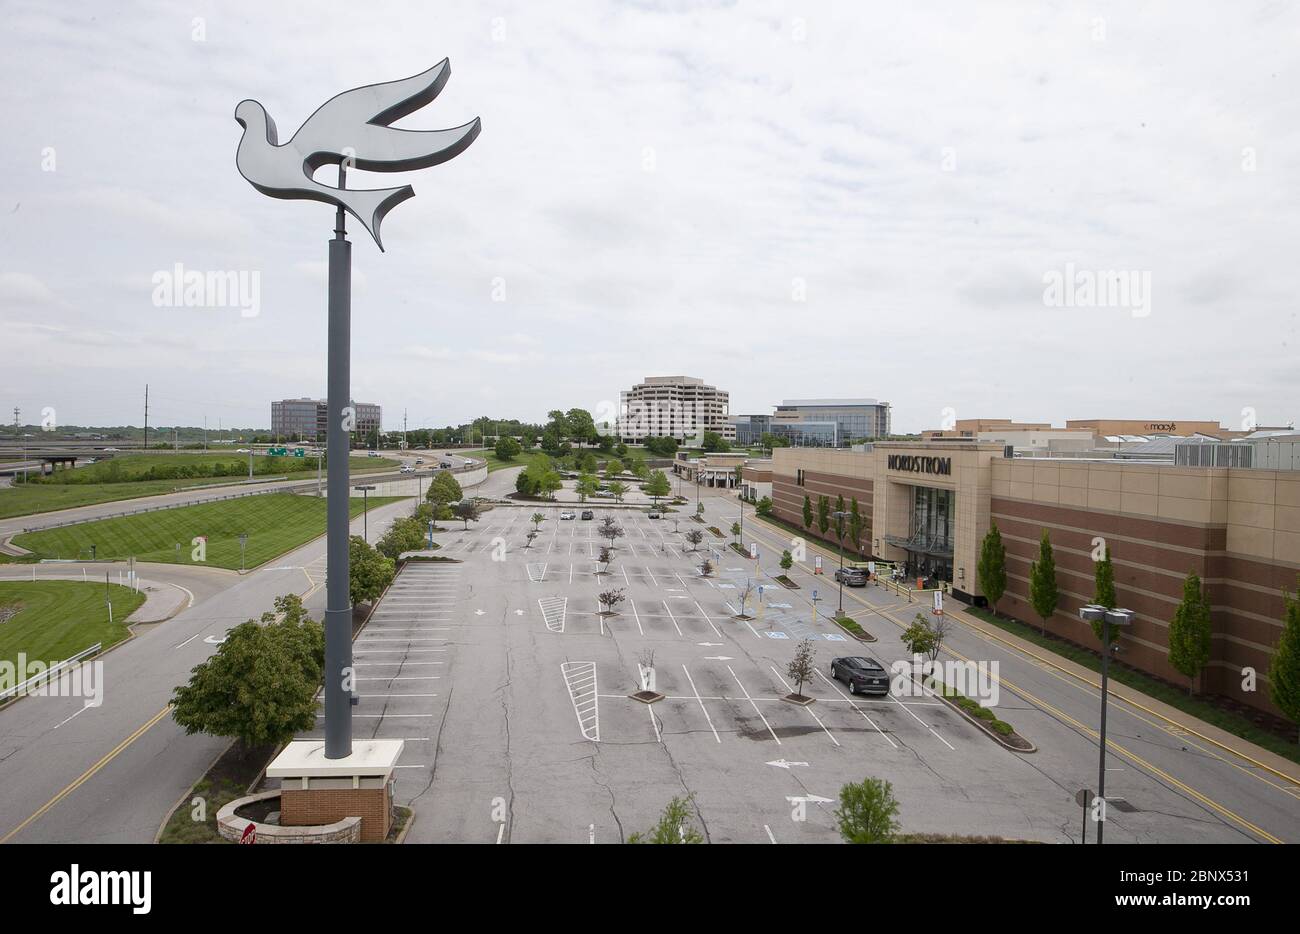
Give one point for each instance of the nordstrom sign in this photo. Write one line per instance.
(912, 464)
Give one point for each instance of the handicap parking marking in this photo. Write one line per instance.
(580, 679)
(780, 606)
(776, 635)
(537, 571)
(832, 637)
(554, 610)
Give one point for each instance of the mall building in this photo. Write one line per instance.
(928, 506)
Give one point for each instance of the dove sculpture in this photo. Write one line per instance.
(352, 129)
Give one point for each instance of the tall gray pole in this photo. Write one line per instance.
(1101, 767)
(338, 602)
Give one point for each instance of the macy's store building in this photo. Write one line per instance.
(928, 506)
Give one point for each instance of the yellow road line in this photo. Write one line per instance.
(90, 772)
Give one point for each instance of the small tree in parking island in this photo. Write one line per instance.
(801, 667)
(259, 687)
(1189, 632)
(1043, 592)
(609, 530)
(735, 531)
(787, 560)
(467, 511)
(868, 812)
(919, 637)
(537, 519)
(605, 557)
(1284, 670)
(991, 567)
(706, 567)
(532, 534)
(694, 536)
(610, 599)
(619, 489)
(807, 512)
(672, 826)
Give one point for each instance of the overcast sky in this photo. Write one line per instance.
(787, 200)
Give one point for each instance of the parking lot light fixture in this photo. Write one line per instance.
(1108, 617)
(840, 518)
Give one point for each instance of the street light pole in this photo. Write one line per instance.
(365, 512)
(1107, 617)
(839, 517)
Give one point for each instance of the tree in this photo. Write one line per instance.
(694, 536)
(919, 637)
(868, 811)
(823, 514)
(764, 506)
(1189, 632)
(1284, 669)
(507, 448)
(712, 443)
(991, 566)
(618, 488)
(444, 489)
(706, 567)
(260, 685)
(581, 426)
(639, 469)
(801, 667)
(551, 483)
(769, 441)
(532, 534)
(1043, 592)
(609, 530)
(743, 595)
(735, 531)
(807, 512)
(855, 525)
(606, 557)
(467, 511)
(587, 485)
(657, 486)
(787, 560)
(537, 519)
(613, 467)
(610, 599)
(1103, 593)
(672, 826)
(369, 572)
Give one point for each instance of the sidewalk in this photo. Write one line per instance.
(1229, 742)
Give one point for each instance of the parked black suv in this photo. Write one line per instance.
(588, 514)
(852, 577)
(862, 675)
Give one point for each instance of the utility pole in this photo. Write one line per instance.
(405, 444)
(146, 416)
(205, 434)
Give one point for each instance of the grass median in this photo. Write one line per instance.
(53, 620)
(274, 523)
(94, 484)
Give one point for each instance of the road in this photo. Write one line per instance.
(110, 774)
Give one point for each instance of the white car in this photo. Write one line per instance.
(407, 468)
(567, 515)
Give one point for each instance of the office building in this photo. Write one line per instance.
(307, 420)
(830, 423)
(680, 407)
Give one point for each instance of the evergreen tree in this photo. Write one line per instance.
(1189, 631)
(807, 512)
(1104, 592)
(1043, 592)
(991, 568)
(1284, 670)
(823, 514)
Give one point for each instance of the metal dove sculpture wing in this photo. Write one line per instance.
(354, 127)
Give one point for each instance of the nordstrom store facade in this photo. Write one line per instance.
(927, 506)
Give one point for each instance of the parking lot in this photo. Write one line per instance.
(512, 689)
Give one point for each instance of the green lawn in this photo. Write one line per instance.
(1175, 697)
(274, 522)
(30, 499)
(496, 463)
(57, 619)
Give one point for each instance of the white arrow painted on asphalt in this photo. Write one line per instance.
(709, 644)
(785, 763)
(213, 640)
(478, 612)
(718, 658)
(807, 799)
(519, 612)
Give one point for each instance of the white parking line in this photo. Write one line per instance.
(852, 703)
(637, 615)
(707, 619)
(786, 685)
(755, 706)
(654, 579)
(700, 700)
(554, 610)
(673, 618)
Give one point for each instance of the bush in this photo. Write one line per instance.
(867, 811)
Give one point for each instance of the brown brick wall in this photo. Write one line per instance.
(1151, 558)
(327, 805)
(787, 503)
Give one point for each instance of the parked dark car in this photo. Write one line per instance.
(655, 514)
(852, 577)
(863, 675)
(588, 514)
